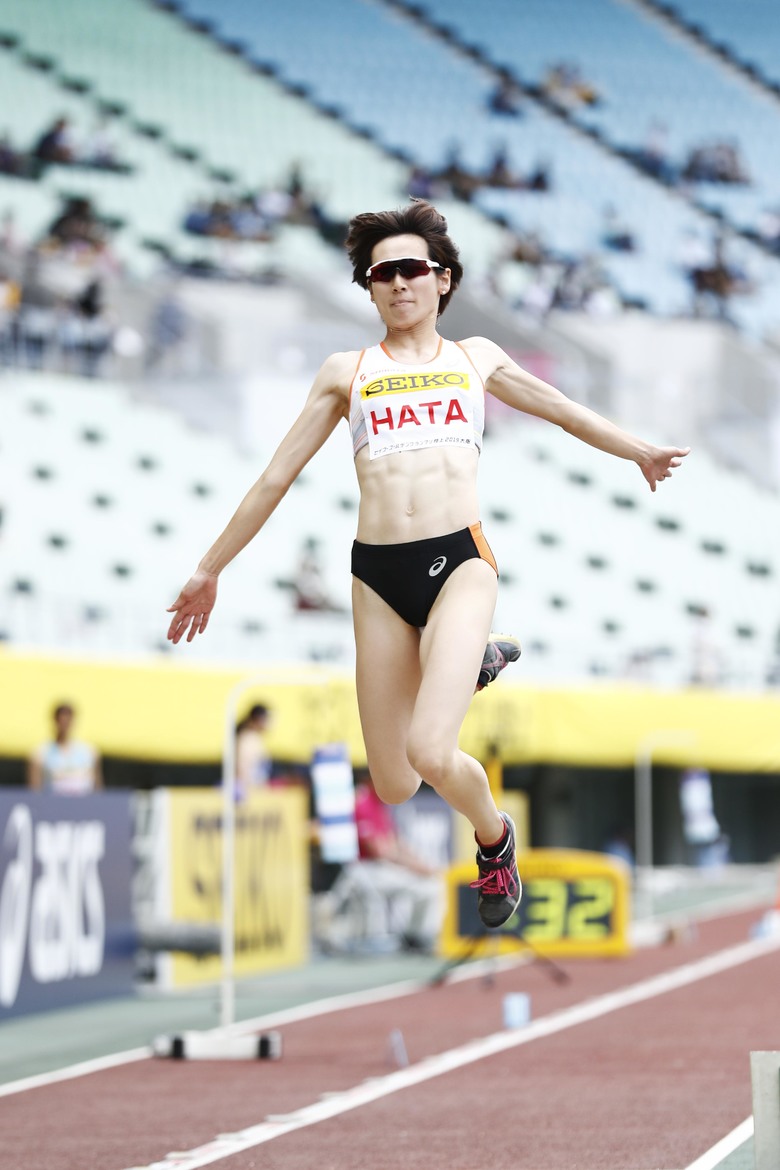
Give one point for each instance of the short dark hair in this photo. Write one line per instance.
(63, 709)
(418, 219)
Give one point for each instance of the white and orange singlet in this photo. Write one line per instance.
(399, 406)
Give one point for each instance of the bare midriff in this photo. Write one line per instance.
(415, 495)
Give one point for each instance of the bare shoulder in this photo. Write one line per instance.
(339, 368)
(335, 375)
(485, 354)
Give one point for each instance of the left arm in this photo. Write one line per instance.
(517, 388)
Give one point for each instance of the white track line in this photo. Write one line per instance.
(99, 1064)
(724, 1147)
(305, 1011)
(224, 1145)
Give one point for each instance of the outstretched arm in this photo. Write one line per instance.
(516, 387)
(326, 404)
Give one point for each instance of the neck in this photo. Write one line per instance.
(419, 343)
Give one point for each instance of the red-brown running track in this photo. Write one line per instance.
(646, 1087)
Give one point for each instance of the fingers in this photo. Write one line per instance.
(178, 628)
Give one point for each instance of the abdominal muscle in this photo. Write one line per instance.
(415, 495)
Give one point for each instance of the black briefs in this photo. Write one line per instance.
(409, 576)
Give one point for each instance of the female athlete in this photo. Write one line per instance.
(424, 578)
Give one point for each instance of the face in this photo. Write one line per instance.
(63, 721)
(403, 302)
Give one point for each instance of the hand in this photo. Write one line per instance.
(193, 606)
(658, 463)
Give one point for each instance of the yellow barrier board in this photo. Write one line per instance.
(575, 904)
(271, 879)
(173, 710)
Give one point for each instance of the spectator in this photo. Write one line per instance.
(715, 162)
(76, 224)
(565, 85)
(10, 295)
(247, 222)
(615, 233)
(99, 149)
(500, 173)
(715, 283)
(55, 144)
(86, 332)
(620, 844)
(253, 764)
(308, 583)
(769, 227)
(12, 161)
(461, 182)
(168, 329)
(400, 895)
(11, 242)
(653, 156)
(65, 765)
(420, 184)
(506, 97)
(706, 658)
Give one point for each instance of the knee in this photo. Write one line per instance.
(430, 761)
(394, 785)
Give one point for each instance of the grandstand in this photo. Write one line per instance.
(109, 493)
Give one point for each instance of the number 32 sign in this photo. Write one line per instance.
(574, 904)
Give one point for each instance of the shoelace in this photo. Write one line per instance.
(498, 880)
(492, 669)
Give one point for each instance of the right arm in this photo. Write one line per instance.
(328, 402)
(35, 772)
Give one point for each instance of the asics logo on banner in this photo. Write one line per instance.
(437, 566)
(52, 904)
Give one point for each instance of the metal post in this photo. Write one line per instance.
(228, 940)
(765, 1076)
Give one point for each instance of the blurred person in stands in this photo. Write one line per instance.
(55, 144)
(506, 98)
(86, 331)
(99, 149)
(424, 577)
(10, 297)
(65, 765)
(76, 224)
(707, 664)
(12, 161)
(403, 891)
(253, 763)
(169, 328)
(615, 232)
(653, 155)
(565, 85)
(309, 580)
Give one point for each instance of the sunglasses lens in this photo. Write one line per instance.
(409, 269)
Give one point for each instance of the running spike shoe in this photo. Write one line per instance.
(500, 650)
(499, 885)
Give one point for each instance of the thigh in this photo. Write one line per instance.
(387, 675)
(452, 648)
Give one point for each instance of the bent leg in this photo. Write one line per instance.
(452, 647)
(387, 675)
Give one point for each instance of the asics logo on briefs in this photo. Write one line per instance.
(437, 566)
